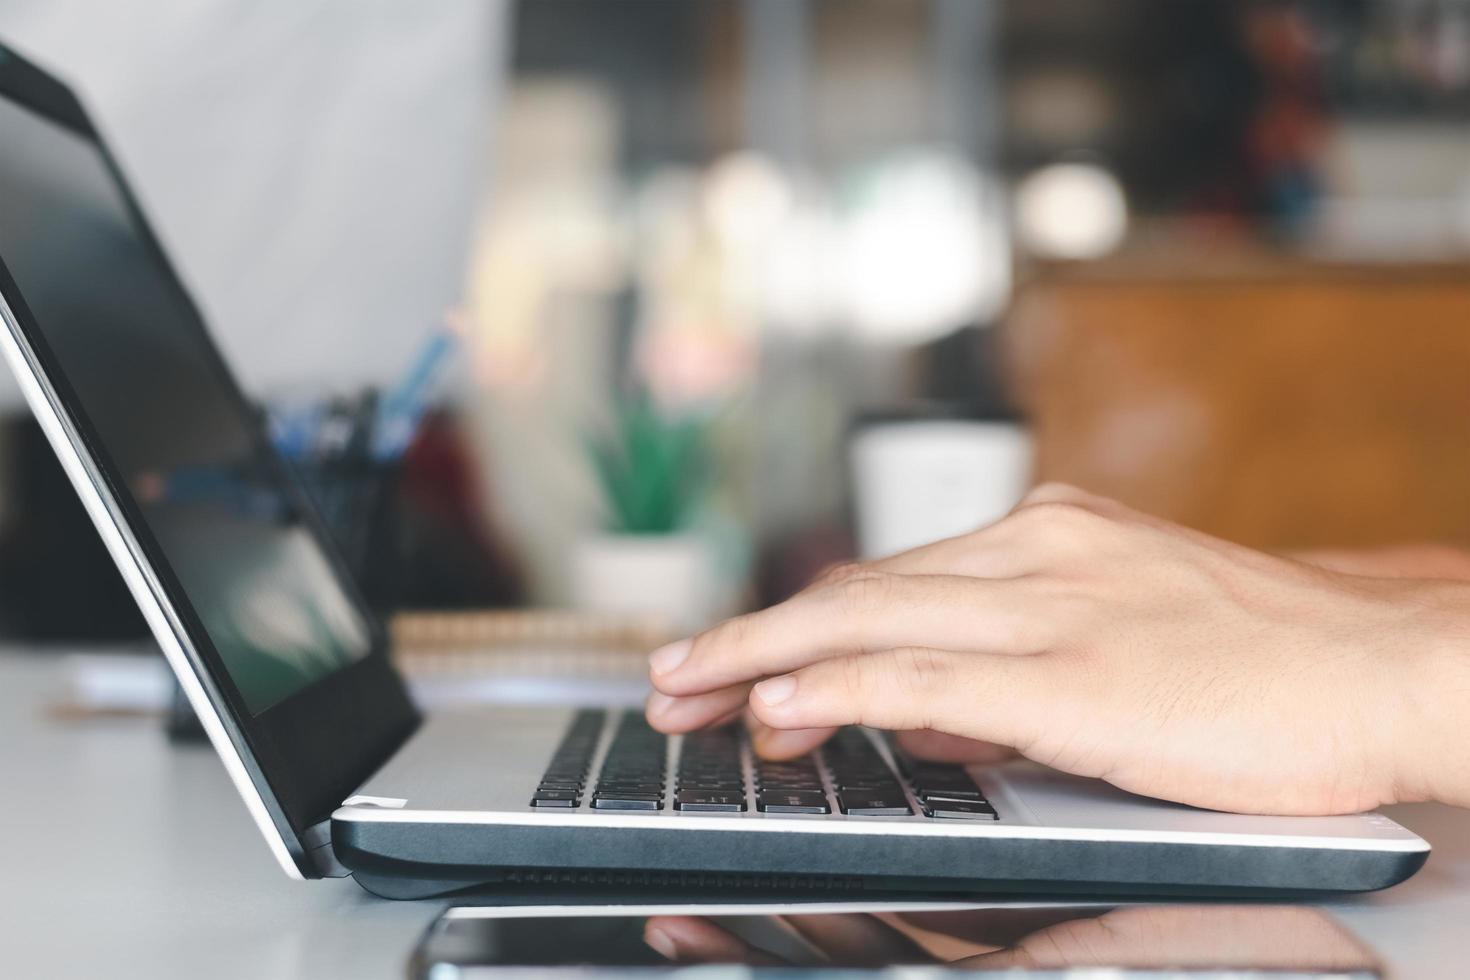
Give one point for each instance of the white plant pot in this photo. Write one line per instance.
(666, 578)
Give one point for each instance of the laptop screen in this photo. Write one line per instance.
(183, 445)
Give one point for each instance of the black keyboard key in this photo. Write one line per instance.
(866, 785)
(946, 790)
(869, 787)
(629, 789)
(628, 781)
(857, 804)
(619, 768)
(955, 775)
(632, 774)
(923, 771)
(628, 801)
(947, 798)
(958, 778)
(771, 801)
(964, 809)
(555, 799)
(710, 777)
(954, 792)
(556, 794)
(634, 790)
(701, 802)
(763, 785)
(565, 773)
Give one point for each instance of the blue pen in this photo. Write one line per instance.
(402, 408)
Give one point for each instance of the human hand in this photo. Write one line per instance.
(1106, 643)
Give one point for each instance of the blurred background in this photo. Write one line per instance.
(634, 315)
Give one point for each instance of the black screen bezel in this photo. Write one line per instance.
(306, 753)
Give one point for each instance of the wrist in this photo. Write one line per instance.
(1432, 722)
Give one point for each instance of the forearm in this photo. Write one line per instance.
(1426, 561)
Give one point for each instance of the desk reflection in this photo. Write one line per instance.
(1266, 938)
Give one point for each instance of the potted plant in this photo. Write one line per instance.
(652, 467)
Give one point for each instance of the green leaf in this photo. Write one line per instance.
(652, 469)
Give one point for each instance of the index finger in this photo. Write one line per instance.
(989, 697)
(865, 614)
(695, 939)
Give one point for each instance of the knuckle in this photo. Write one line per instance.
(853, 677)
(835, 575)
(1052, 491)
(1059, 521)
(918, 670)
(1057, 512)
(866, 591)
(895, 690)
(732, 633)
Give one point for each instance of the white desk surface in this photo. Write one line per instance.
(124, 856)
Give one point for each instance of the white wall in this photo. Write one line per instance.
(313, 166)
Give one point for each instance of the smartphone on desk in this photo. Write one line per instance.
(912, 940)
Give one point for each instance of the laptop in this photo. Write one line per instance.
(291, 678)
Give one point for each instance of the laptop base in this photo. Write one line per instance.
(528, 887)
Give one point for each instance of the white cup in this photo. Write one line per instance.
(916, 481)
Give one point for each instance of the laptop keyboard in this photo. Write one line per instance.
(714, 772)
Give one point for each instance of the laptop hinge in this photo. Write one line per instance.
(319, 853)
(318, 837)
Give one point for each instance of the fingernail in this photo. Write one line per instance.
(660, 943)
(659, 703)
(776, 690)
(665, 659)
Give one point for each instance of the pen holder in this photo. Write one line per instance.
(356, 498)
